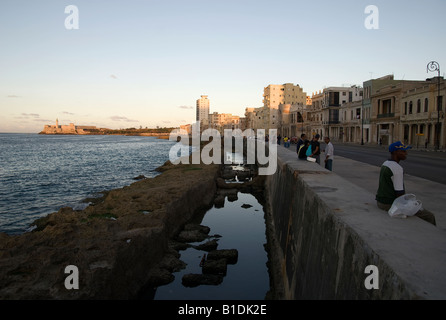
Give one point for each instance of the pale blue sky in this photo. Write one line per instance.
(145, 62)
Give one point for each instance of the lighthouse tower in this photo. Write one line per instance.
(57, 123)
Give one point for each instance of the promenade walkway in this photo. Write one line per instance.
(366, 176)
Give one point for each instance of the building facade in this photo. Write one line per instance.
(422, 115)
(275, 96)
(202, 111)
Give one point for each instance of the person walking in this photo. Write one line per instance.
(391, 181)
(316, 148)
(286, 142)
(329, 154)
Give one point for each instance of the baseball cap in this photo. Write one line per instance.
(398, 146)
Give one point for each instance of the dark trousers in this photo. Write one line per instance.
(329, 164)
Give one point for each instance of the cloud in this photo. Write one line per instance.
(69, 113)
(120, 118)
(23, 117)
(13, 96)
(29, 115)
(185, 107)
(113, 76)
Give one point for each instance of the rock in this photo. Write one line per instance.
(140, 177)
(208, 245)
(32, 264)
(246, 206)
(193, 233)
(191, 236)
(231, 255)
(217, 267)
(219, 201)
(194, 280)
(160, 277)
(193, 227)
(232, 197)
(177, 246)
(172, 263)
(243, 175)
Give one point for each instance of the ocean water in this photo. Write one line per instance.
(39, 174)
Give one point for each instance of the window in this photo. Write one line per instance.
(426, 105)
(410, 107)
(405, 107)
(418, 106)
(387, 106)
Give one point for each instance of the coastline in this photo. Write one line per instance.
(157, 135)
(116, 242)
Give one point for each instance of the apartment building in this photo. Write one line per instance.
(275, 96)
(422, 123)
(202, 110)
(222, 121)
(333, 100)
(315, 115)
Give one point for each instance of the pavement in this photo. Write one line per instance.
(431, 194)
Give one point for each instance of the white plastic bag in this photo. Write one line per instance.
(405, 206)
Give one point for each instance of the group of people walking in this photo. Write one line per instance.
(306, 148)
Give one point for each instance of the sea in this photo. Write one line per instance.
(39, 174)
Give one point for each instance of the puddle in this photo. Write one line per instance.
(238, 224)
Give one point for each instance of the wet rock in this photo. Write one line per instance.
(197, 227)
(218, 267)
(177, 246)
(219, 201)
(208, 245)
(232, 197)
(246, 206)
(140, 177)
(193, 233)
(243, 175)
(194, 280)
(172, 263)
(191, 236)
(230, 255)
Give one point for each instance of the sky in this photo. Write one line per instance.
(144, 63)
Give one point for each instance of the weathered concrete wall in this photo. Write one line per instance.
(324, 231)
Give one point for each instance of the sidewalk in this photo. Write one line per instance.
(366, 176)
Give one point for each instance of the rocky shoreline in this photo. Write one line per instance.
(122, 243)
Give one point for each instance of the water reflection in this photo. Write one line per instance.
(241, 225)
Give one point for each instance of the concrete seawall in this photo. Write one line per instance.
(324, 231)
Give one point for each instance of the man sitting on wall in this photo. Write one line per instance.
(391, 181)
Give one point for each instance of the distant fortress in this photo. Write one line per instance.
(160, 133)
(70, 129)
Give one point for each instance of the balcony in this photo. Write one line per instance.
(386, 115)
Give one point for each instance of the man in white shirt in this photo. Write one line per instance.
(329, 154)
(391, 181)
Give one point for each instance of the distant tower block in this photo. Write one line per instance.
(57, 123)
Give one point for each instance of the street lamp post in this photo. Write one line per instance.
(362, 120)
(432, 67)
